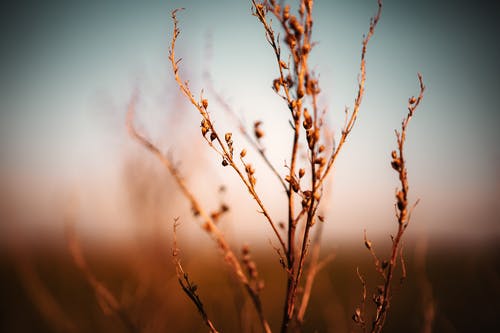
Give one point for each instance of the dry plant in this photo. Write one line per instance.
(303, 181)
(108, 302)
(387, 267)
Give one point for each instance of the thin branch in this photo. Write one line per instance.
(189, 288)
(208, 224)
(315, 267)
(208, 127)
(398, 163)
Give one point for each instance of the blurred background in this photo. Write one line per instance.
(69, 70)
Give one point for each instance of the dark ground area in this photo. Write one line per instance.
(43, 291)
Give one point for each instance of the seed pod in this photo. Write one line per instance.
(291, 41)
(228, 136)
(259, 133)
(213, 136)
(320, 160)
(204, 131)
(224, 162)
(276, 84)
(321, 148)
(305, 203)
(394, 155)
(302, 172)
(286, 12)
(412, 100)
(396, 164)
(368, 244)
(204, 103)
(243, 153)
(307, 120)
(306, 48)
(283, 64)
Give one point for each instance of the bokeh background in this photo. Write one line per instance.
(69, 70)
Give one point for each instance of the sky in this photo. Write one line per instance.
(69, 69)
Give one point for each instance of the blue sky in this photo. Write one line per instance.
(69, 69)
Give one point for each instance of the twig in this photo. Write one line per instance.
(189, 288)
(224, 149)
(208, 224)
(398, 163)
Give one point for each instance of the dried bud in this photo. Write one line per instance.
(224, 162)
(321, 149)
(213, 136)
(396, 164)
(259, 133)
(228, 136)
(249, 169)
(368, 244)
(412, 100)
(320, 160)
(243, 153)
(306, 48)
(286, 12)
(204, 103)
(281, 225)
(291, 41)
(384, 264)
(204, 131)
(283, 64)
(305, 203)
(276, 84)
(394, 155)
(307, 120)
(302, 172)
(321, 218)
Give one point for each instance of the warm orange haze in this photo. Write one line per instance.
(249, 167)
